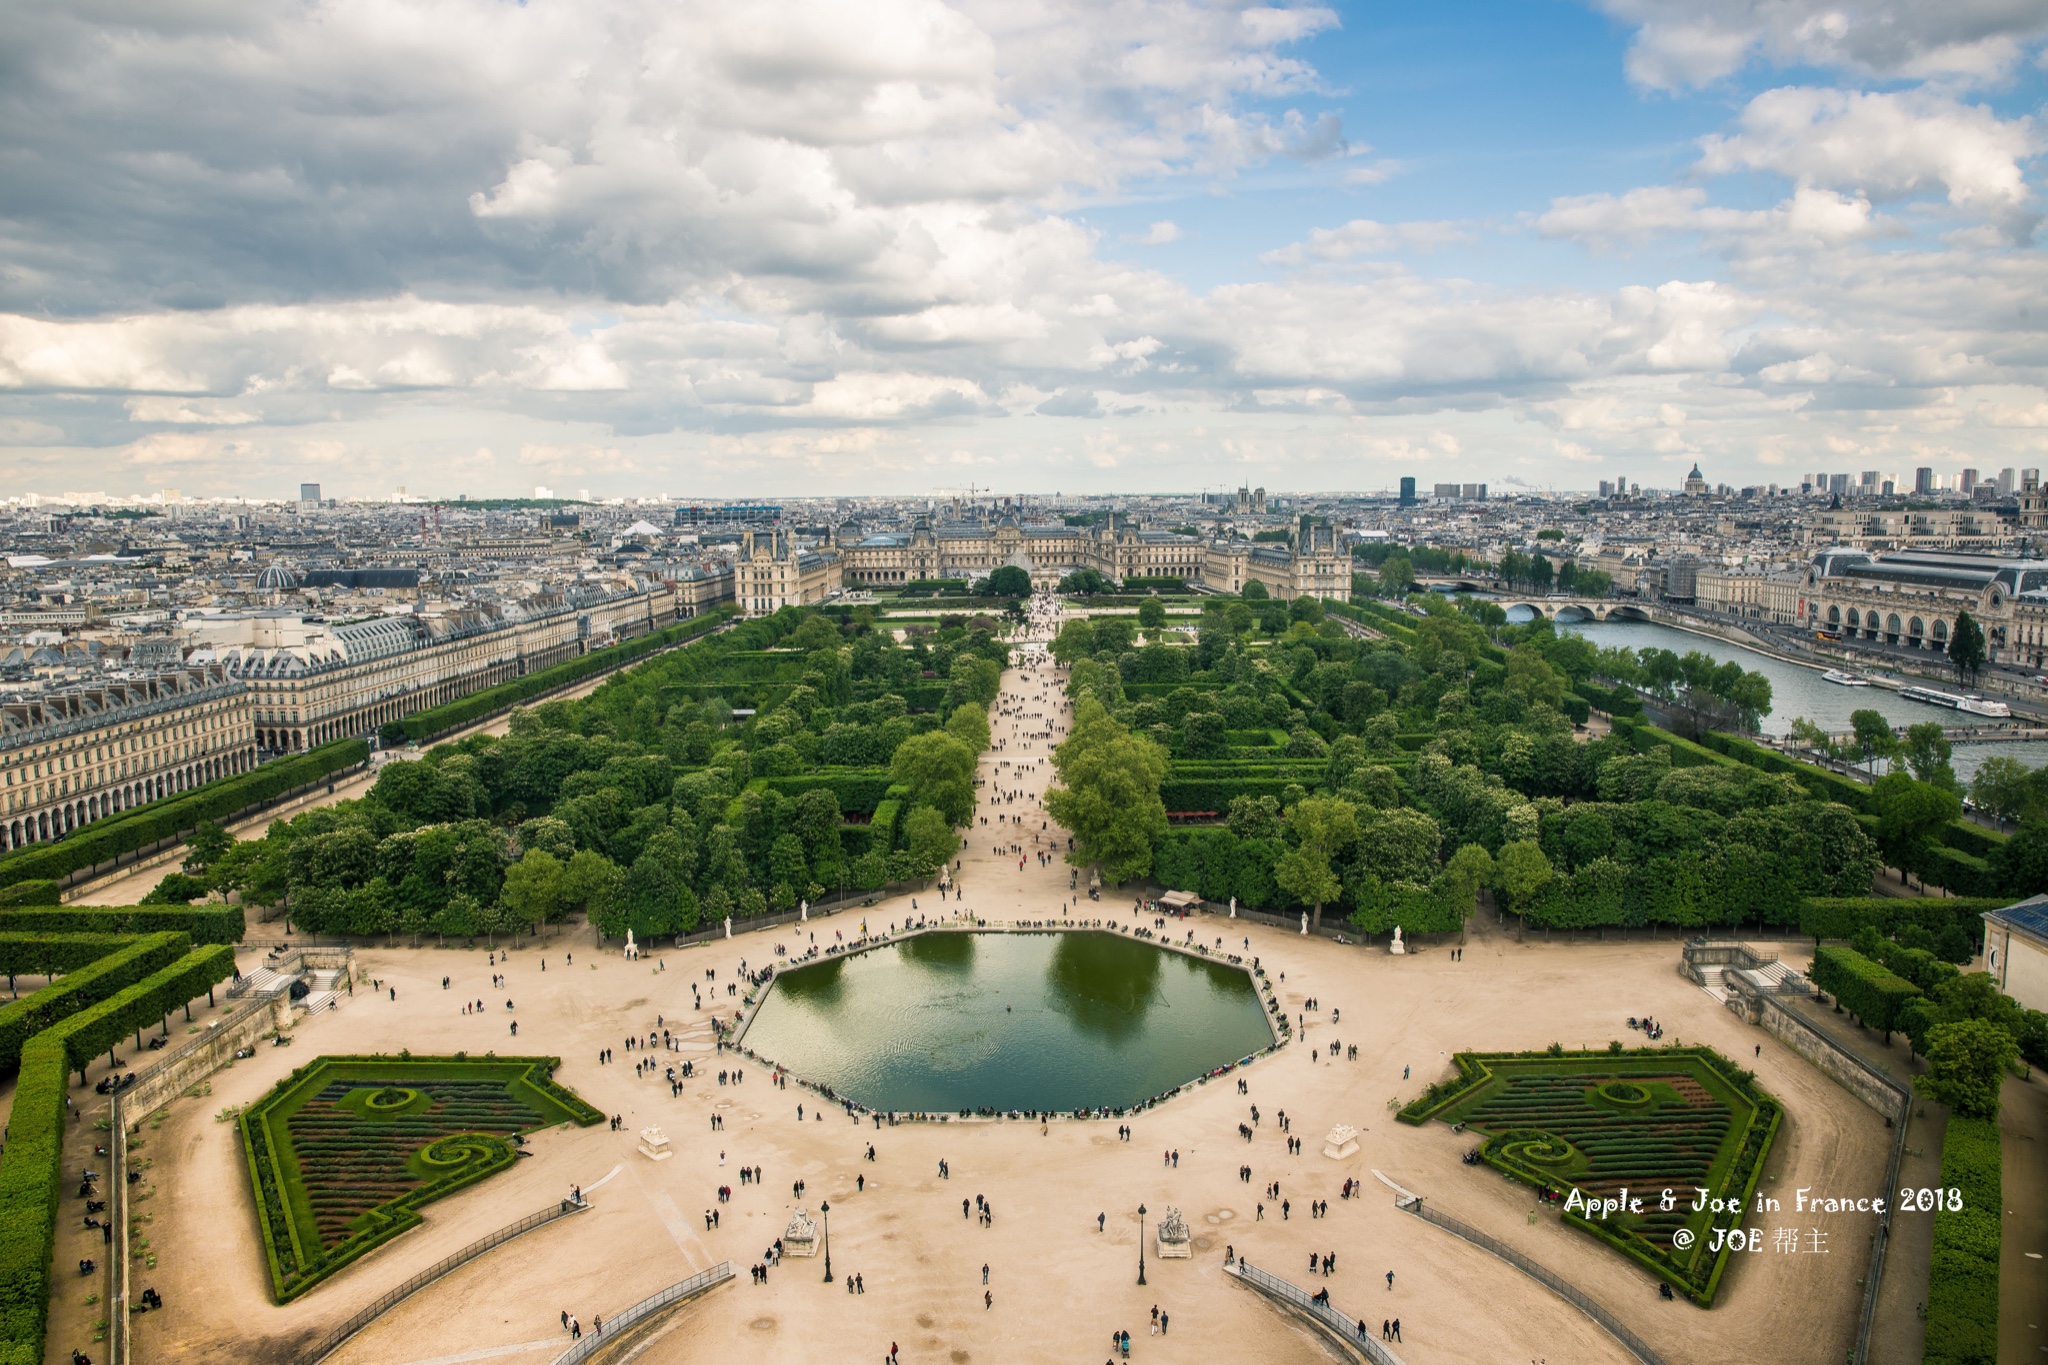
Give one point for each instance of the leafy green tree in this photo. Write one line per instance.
(1318, 830)
(373, 908)
(1108, 793)
(2008, 788)
(969, 724)
(1009, 581)
(1522, 872)
(533, 888)
(1075, 641)
(177, 888)
(930, 840)
(2020, 864)
(939, 770)
(1966, 1063)
(1397, 576)
(1909, 815)
(1541, 572)
(593, 884)
(1966, 647)
(1239, 618)
(414, 920)
(1255, 591)
(206, 845)
(1152, 614)
(1811, 736)
(1874, 737)
(1926, 751)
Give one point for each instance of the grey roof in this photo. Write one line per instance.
(2029, 916)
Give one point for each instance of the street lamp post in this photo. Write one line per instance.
(825, 1209)
(1141, 1244)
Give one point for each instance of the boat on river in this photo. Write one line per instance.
(1967, 702)
(1838, 677)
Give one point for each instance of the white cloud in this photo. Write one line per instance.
(1681, 43)
(1161, 232)
(1881, 145)
(1812, 218)
(1364, 237)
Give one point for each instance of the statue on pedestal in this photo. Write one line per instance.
(1233, 907)
(654, 1144)
(803, 912)
(1304, 924)
(728, 926)
(1174, 1241)
(800, 1238)
(632, 948)
(1397, 946)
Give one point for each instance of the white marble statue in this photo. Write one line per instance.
(800, 1238)
(803, 912)
(654, 1144)
(1304, 924)
(1174, 1241)
(1342, 1142)
(728, 926)
(632, 948)
(1397, 946)
(1233, 907)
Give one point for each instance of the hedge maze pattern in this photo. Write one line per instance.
(345, 1151)
(1682, 1119)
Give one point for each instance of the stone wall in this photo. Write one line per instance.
(1880, 1092)
(195, 1061)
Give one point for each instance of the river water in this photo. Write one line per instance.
(1797, 691)
(1055, 1021)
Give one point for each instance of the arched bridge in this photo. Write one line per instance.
(1586, 608)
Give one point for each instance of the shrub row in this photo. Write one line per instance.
(858, 789)
(1825, 917)
(1962, 1282)
(104, 840)
(49, 954)
(204, 923)
(83, 988)
(32, 1171)
(36, 892)
(1684, 753)
(1868, 990)
(437, 720)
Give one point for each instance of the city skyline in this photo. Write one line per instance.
(705, 254)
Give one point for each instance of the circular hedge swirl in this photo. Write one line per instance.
(1533, 1147)
(1623, 1092)
(389, 1099)
(447, 1154)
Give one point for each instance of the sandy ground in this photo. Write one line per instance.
(1059, 1287)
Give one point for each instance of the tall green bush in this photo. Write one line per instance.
(1962, 1281)
(1866, 989)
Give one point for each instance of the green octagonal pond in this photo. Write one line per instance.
(1009, 1021)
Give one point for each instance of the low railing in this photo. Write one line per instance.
(1344, 1329)
(688, 1289)
(386, 1301)
(1555, 1283)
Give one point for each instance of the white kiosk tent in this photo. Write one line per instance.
(1180, 900)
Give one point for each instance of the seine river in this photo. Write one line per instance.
(1797, 691)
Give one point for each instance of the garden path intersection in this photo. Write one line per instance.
(1065, 1195)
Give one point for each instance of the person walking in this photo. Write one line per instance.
(984, 1272)
(988, 1299)
(1390, 1281)
(1397, 1329)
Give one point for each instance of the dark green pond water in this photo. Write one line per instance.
(1052, 1021)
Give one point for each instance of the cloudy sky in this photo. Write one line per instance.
(803, 246)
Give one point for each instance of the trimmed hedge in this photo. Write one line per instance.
(858, 789)
(104, 840)
(40, 892)
(1684, 753)
(1965, 837)
(49, 954)
(882, 828)
(1962, 1282)
(83, 988)
(205, 923)
(1957, 871)
(1868, 990)
(32, 1172)
(438, 720)
(1823, 917)
(1825, 785)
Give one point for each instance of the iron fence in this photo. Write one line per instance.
(386, 1301)
(1351, 1332)
(1555, 1283)
(646, 1308)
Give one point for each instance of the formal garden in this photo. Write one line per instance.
(1607, 1134)
(344, 1152)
